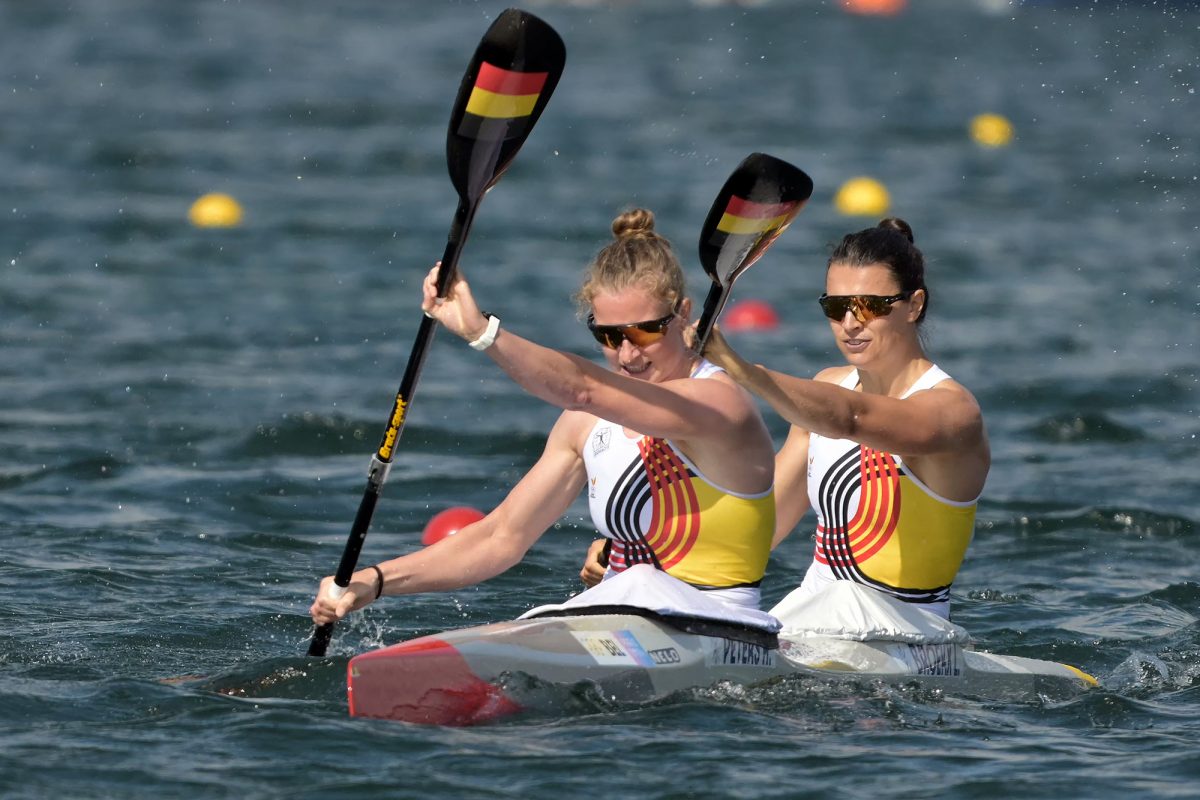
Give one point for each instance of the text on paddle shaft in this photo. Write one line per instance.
(393, 431)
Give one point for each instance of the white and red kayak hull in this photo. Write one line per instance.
(474, 675)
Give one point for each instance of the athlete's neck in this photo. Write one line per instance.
(893, 382)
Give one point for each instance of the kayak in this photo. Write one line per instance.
(634, 649)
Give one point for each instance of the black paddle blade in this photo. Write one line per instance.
(756, 204)
(506, 87)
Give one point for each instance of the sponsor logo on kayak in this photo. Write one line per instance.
(666, 655)
(634, 648)
(600, 645)
(615, 647)
(622, 647)
(393, 431)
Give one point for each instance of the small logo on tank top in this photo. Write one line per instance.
(601, 439)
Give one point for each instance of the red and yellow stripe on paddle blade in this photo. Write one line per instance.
(745, 230)
(744, 216)
(501, 103)
(758, 223)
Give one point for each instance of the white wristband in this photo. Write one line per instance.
(488, 336)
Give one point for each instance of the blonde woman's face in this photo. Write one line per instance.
(643, 335)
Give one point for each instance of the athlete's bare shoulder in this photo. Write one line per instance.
(951, 388)
(833, 374)
(574, 426)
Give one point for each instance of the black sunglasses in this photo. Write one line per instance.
(639, 334)
(865, 307)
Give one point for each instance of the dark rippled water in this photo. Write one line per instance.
(187, 414)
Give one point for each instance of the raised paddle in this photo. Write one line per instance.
(756, 204)
(506, 87)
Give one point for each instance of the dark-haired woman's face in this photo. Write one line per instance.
(863, 338)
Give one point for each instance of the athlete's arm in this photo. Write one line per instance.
(680, 409)
(485, 548)
(938, 431)
(940, 420)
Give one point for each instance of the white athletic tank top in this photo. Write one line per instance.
(658, 508)
(879, 525)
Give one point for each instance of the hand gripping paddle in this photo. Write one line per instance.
(505, 89)
(756, 204)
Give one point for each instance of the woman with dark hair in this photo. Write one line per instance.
(889, 451)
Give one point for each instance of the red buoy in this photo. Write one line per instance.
(881, 7)
(750, 315)
(449, 522)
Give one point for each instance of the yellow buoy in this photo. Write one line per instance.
(862, 197)
(215, 210)
(991, 130)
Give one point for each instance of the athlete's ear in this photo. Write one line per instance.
(916, 305)
(685, 308)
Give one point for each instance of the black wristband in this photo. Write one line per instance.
(378, 581)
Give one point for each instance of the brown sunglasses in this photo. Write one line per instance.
(865, 307)
(639, 334)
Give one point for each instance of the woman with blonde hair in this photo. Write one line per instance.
(675, 457)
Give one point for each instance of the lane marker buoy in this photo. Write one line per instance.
(991, 130)
(215, 210)
(750, 315)
(862, 196)
(449, 522)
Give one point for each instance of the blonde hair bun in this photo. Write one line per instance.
(635, 222)
(637, 256)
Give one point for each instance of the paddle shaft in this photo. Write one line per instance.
(713, 303)
(381, 461)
